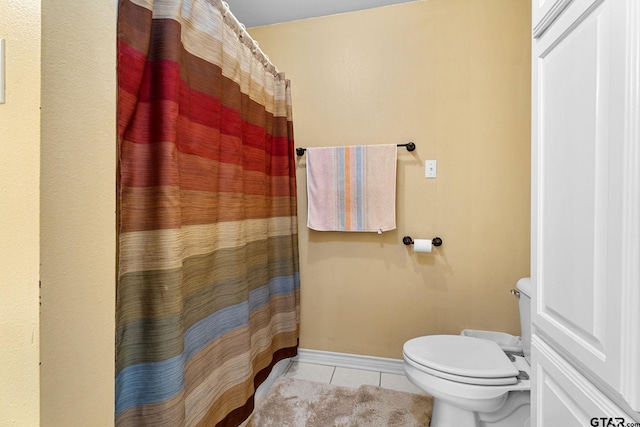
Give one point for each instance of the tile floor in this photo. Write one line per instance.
(348, 377)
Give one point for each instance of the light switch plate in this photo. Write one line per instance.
(1, 71)
(430, 168)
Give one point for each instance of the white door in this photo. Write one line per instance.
(586, 212)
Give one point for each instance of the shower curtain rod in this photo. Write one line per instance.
(247, 40)
(410, 147)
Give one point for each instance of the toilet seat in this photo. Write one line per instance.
(462, 359)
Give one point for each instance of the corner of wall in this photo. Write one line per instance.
(78, 212)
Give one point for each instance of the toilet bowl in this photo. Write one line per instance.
(473, 381)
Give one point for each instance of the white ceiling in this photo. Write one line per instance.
(254, 13)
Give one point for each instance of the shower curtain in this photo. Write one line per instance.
(207, 280)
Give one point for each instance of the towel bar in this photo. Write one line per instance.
(407, 240)
(410, 147)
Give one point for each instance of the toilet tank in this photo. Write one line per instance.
(525, 287)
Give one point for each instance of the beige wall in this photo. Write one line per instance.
(57, 216)
(19, 210)
(453, 76)
(78, 212)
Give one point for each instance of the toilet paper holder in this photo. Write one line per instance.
(408, 240)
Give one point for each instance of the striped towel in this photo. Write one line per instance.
(352, 188)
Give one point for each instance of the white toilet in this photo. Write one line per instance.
(473, 381)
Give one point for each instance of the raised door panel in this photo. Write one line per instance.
(563, 397)
(544, 12)
(582, 176)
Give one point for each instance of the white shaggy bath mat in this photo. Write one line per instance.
(299, 403)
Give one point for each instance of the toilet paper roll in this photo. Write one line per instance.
(422, 245)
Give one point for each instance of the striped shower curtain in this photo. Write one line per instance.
(207, 280)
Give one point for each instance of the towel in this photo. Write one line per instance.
(352, 188)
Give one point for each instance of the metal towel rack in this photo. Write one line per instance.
(410, 147)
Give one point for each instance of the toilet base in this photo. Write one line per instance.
(446, 415)
(515, 413)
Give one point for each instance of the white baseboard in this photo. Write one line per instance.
(276, 372)
(330, 358)
(354, 361)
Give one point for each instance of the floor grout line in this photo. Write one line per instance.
(391, 382)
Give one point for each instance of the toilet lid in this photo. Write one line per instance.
(457, 355)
